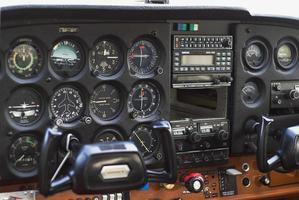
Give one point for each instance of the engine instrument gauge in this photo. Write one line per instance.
(108, 135)
(143, 58)
(67, 58)
(67, 104)
(286, 55)
(24, 153)
(144, 100)
(106, 102)
(25, 59)
(105, 58)
(256, 55)
(24, 106)
(250, 93)
(145, 139)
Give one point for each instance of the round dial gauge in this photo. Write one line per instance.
(145, 139)
(25, 59)
(286, 55)
(255, 55)
(144, 100)
(24, 153)
(105, 102)
(66, 104)
(250, 93)
(24, 106)
(108, 135)
(67, 58)
(105, 58)
(143, 57)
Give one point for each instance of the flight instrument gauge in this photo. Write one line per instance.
(286, 55)
(106, 58)
(250, 93)
(67, 58)
(24, 106)
(255, 55)
(24, 154)
(108, 135)
(143, 58)
(145, 139)
(106, 102)
(67, 104)
(25, 59)
(144, 100)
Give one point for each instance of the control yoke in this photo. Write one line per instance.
(287, 156)
(103, 167)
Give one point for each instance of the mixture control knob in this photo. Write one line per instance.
(194, 137)
(294, 94)
(194, 182)
(223, 135)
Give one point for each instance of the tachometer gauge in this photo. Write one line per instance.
(108, 135)
(24, 154)
(145, 139)
(286, 54)
(144, 100)
(105, 58)
(24, 106)
(25, 59)
(143, 58)
(67, 104)
(106, 102)
(255, 55)
(250, 93)
(67, 58)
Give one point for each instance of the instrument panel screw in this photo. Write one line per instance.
(59, 122)
(160, 70)
(49, 79)
(154, 33)
(88, 120)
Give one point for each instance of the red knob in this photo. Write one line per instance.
(194, 182)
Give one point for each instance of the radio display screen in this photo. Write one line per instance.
(197, 60)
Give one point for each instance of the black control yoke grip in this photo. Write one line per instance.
(169, 173)
(49, 146)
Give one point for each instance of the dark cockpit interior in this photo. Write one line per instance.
(147, 102)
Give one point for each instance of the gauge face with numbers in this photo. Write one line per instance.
(24, 153)
(143, 57)
(67, 104)
(144, 100)
(25, 59)
(108, 135)
(106, 102)
(106, 58)
(145, 139)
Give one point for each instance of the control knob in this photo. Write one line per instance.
(194, 137)
(294, 95)
(194, 182)
(223, 135)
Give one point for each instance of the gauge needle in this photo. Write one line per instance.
(141, 98)
(142, 142)
(20, 158)
(104, 101)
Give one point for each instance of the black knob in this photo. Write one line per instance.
(194, 182)
(216, 81)
(223, 135)
(226, 43)
(194, 137)
(294, 94)
(265, 180)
